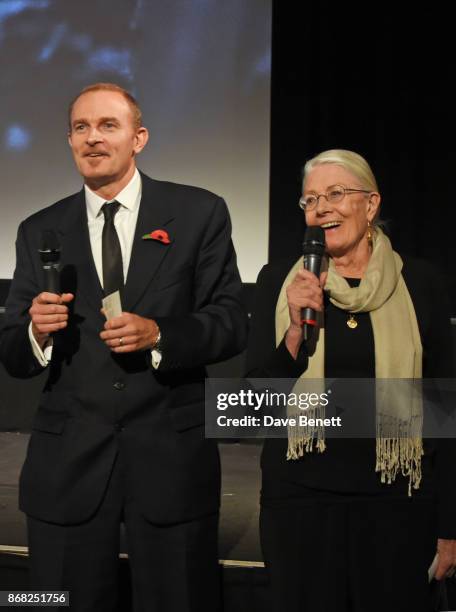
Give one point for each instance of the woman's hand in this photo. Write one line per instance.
(447, 559)
(306, 291)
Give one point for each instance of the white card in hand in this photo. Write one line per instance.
(433, 567)
(112, 306)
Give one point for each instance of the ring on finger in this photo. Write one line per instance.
(120, 341)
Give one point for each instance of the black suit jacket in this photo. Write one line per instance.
(96, 404)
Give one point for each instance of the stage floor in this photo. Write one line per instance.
(239, 540)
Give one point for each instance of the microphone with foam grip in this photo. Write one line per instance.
(313, 249)
(50, 260)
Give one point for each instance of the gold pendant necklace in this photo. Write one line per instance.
(352, 323)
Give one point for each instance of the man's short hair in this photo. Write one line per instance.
(136, 111)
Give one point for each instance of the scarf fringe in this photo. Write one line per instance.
(304, 439)
(297, 448)
(400, 454)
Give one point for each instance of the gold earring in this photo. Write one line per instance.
(370, 233)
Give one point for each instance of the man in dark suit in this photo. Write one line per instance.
(119, 432)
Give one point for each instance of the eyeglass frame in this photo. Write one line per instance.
(346, 190)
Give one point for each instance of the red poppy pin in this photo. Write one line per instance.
(158, 234)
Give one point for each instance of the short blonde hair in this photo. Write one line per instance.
(350, 161)
(134, 106)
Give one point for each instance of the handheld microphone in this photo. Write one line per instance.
(313, 248)
(50, 260)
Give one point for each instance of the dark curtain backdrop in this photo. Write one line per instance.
(380, 84)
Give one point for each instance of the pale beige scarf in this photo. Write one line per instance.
(398, 354)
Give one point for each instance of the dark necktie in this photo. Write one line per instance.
(111, 253)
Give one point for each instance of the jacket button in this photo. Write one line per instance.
(119, 385)
(118, 427)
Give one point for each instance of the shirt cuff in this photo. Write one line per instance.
(43, 356)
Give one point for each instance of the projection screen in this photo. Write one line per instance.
(200, 70)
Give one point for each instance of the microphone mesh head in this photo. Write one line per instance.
(50, 247)
(314, 241)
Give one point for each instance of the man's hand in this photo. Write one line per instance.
(447, 559)
(129, 333)
(49, 314)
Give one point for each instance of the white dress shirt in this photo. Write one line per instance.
(124, 221)
(125, 224)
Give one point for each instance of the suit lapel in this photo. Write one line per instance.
(78, 272)
(155, 213)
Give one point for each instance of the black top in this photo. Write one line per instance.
(349, 353)
(348, 466)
